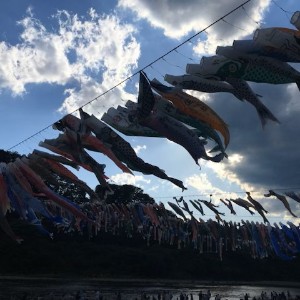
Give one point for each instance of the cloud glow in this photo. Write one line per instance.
(94, 53)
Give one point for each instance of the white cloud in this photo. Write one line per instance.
(202, 184)
(138, 148)
(225, 173)
(90, 89)
(93, 53)
(154, 188)
(125, 178)
(177, 19)
(293, 105)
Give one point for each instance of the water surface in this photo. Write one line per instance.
(68, 288)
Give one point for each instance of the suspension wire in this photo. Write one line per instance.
(285, 11)
(237, 27)
(194, 44)
(30, 137)
(235, 216)
(173, 65)
(158, 72)
(256, 22)
(191, 59)
(225, 193)
(137, 72)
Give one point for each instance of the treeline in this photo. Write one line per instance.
(120, 257)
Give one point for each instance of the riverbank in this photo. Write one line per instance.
(159, 282)
(114, 257)
(48, 287)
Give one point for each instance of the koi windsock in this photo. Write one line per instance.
(172, 129)
(123, 149)
(38, 183)
(73, 125)
(62, 171)
(202, 129)
(124, 120)
(194, 107)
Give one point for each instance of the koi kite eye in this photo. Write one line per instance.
(113, 134)
(232, 68)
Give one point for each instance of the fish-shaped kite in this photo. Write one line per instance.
(124, 120)
(146, 98)
(261, 69)
(247, 93)
(39, 185)
(295, 19)
(294, 196)
(123, 150)
(62, 171)
(247, 49)
(258, 207)
(68, 145)
(171, 128)
(39, 169)
(243, 203)
(175, 131)
(178, 210)
(285, 39)
(212, 207)
(197, 206)
(87, 140)
(282, 199)
(4, 207)
(29, 201)
(193, 107)
(185, 206)
(202, 129)
(57, 158)
(228, 205)
(236, 86)
(201, 84)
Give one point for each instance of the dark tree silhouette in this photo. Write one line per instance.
(8, 156)
(69, 190)
(125, 194)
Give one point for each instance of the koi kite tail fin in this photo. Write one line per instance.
(218, 148)
(265, 114)
(177, 182)
(266, 220)
(293, 215)
(298, 83)
(217, 158)
(238, 95)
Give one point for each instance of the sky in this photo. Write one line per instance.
(57, 56)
